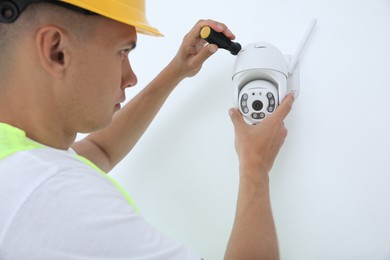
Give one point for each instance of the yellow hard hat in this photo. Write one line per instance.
(131, 12)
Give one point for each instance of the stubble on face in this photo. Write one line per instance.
(97, 83)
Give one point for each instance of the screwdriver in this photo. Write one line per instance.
(220, 40)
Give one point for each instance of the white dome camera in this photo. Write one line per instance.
(263, 76)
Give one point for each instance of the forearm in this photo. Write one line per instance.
(110, 145)
(107, 147)
(253, 235)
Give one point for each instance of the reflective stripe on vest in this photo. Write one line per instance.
(14, 140)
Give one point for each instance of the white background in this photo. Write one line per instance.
(330, 184)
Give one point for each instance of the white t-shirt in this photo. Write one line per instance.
(53, 206)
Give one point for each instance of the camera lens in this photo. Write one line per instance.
(257, 105)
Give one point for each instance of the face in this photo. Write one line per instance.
(100, 72)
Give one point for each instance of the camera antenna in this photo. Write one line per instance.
(297, 54)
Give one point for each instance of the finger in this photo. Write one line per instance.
(203, 54)
(221, 27)
(236, 118)
(225, 30)
(216, 26)
(200, 45)
(285, 107)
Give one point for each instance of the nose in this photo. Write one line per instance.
(129, 79)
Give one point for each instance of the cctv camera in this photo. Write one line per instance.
(263, 76)
(260, 80)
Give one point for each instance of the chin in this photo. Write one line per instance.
(93, 126)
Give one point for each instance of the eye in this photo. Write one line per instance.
(125, 53)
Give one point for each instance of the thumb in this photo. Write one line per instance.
(205, 53)
(236, 117)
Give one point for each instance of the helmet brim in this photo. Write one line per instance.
(120, 12)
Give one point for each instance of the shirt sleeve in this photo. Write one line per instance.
(79, 214)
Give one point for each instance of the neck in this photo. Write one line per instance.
(36, 113)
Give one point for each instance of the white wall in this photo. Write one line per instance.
(331, 182)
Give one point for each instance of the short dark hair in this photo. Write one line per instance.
(35, 14)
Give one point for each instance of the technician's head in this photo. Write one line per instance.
(74, 52)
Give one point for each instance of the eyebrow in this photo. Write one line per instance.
(132, 45)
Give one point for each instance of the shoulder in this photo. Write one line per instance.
(48, 172)
(53, 186)
(47, 169)
(72, 211)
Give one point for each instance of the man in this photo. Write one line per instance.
(63, 70)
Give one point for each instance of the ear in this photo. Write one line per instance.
(53, 51)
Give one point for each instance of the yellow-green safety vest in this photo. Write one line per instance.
(13, 140)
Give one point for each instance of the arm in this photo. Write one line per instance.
(108, 146)
(253, 235)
